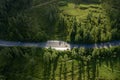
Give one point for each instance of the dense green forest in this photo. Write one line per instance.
(76, 21)
(19, 63)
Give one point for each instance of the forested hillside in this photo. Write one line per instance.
(76, 21)
(18, 63)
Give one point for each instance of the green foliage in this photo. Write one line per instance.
(16, 24)
(77, 21)
(62, 3)
(46, 64)
(89, 27)
(113, 11)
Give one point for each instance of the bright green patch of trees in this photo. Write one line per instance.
(101, 24)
